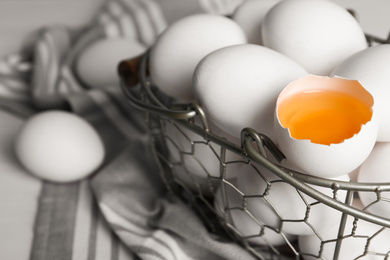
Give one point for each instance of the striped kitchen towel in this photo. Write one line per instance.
(57, 48)
(122, 211)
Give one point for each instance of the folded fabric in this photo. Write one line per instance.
(123, 210)
(151, 221)
(56, 48)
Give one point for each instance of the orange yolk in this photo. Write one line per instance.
(324, 117)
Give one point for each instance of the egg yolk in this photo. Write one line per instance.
(324, 117)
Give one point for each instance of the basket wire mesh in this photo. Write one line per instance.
(183, 138)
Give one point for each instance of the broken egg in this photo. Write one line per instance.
(325, 126)
(371, 67)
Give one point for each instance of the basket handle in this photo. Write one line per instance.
(128, 70)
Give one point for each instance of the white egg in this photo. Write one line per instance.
(370, 67)
(250, 14)
(97, 64)
(325, 126)
(363, 241)
(281, 206)
(247, 227)
(197, 161)
(59, 146)
(238, 86)
(317, 34)
(353, 174)
(198, 156)
(183, 44)
(376, 169)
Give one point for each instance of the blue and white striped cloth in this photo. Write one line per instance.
(122, 211)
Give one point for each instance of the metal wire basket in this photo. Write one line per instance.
(182, 138)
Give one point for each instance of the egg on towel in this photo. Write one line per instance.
(183, 44)
(317, 34)
(97, 64)
(59, 146)
(376, 170)
(250, 15)
(371, 68)
(237, 86)
(325, 126)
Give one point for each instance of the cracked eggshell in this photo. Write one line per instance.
(334, 159)
(371, 67)
(237, 86)
(183, 44)
(317, 34)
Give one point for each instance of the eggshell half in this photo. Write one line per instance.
(371, 68)
(237, 86)
(335, 159)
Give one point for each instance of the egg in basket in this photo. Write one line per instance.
(281, 147)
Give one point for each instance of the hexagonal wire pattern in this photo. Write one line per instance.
(207, 171)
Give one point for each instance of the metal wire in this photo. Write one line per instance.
(188, 120)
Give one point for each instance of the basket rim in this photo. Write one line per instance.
(183, 114)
